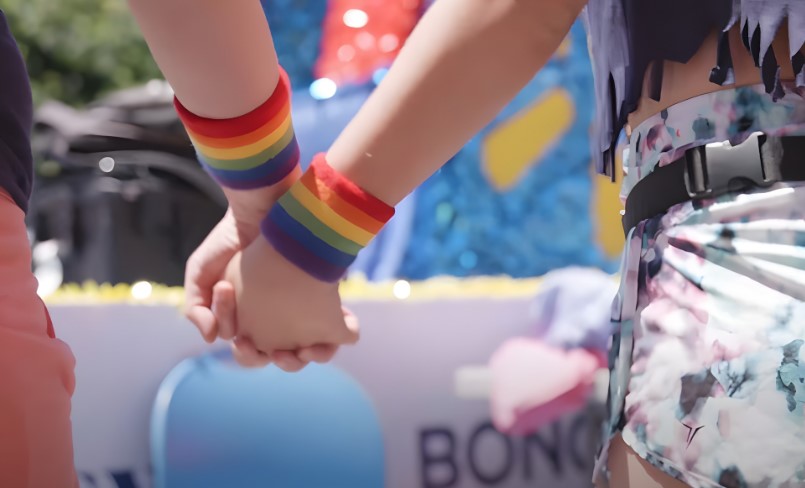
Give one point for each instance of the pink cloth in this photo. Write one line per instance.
(534, 384)
(535, 381)
(36, 372)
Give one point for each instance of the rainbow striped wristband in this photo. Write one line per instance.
(323, 220)
(251, 151)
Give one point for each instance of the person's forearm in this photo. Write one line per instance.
(219, 58)
(217, 55)
(465, 60)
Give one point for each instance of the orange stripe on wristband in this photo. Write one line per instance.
(251, 151)
(322, 222)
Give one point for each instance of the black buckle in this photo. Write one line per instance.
(718, 168)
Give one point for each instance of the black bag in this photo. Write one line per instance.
(117, 186)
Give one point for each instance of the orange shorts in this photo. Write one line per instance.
(36, 372)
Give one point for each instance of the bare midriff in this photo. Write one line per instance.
(683, 81)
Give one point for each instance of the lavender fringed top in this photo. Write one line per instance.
(630, 39)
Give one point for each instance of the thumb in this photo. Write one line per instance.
(204, 268)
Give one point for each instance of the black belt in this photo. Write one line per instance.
(715, 169)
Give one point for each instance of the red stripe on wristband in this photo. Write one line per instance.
(244, 124)
(251, 151)
(323, 220)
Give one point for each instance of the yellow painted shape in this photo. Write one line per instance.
(606, 209)
(516, 144)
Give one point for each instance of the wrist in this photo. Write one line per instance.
(323, 221)
(251, 151)
(251, 206)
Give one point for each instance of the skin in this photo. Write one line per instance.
(207, 56)
(448, 82)
(683, 81)
(413, 123)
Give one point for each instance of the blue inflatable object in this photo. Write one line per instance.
(216, 425)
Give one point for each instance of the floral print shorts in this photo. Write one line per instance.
(708, 357)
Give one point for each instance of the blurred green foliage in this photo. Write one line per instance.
(77, 50)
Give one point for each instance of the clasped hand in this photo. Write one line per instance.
(238, 288)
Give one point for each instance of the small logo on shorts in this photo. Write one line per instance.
(692, 431)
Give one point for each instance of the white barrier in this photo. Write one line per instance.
(406, 361)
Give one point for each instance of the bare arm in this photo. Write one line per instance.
(217, 55)
(219, 58)
(465, 60)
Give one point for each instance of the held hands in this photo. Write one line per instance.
(284, 313)
(237, 287)
(278, 295)
(205, 268)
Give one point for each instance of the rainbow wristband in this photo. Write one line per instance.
(251, 151)
(323, 220)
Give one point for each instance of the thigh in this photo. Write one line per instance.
(628, 470)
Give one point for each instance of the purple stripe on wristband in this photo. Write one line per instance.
(261, 176)
(300, 256)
